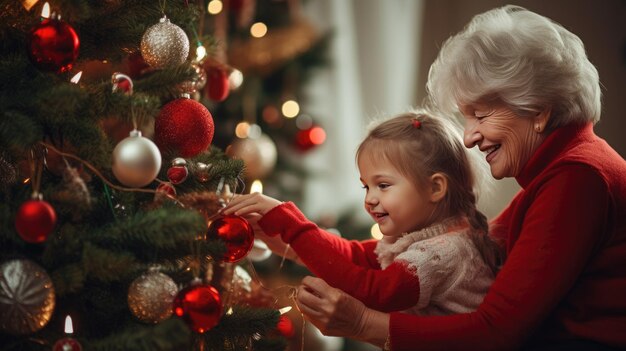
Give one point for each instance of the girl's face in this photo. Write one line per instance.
(507, 139)
(397, 204)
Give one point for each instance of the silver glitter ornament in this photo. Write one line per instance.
(164, 44)
(136, 160)
(26, 297)
(151, 295)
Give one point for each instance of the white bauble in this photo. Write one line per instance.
(136, 160)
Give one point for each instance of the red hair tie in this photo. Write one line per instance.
(417, 124)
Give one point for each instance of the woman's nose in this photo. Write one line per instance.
(471, 134)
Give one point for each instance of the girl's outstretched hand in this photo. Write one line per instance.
(336, 313)
(243, 205)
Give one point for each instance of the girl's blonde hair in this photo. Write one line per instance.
(419, 144)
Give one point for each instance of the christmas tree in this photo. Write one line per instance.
(111, 181)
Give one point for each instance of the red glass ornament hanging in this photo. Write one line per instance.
(236, 233)
(35, 220)
(217, 86)
(67, 344)
(285, 326)
(53, 45)
(309, 138)
(200, 305)
(184, 126)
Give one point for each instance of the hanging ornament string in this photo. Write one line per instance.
(292, 293)
(35, 161)
(104, 179)
(162, 4)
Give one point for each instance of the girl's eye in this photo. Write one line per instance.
(383, 185)
(364, 187)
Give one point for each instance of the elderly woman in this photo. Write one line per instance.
(529, 97)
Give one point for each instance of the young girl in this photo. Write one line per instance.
(435, 258)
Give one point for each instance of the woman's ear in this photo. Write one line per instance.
(541, 119)
(438, 187)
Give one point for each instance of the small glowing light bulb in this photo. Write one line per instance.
(215, 7)
(256, 187)
(290, 109)
(258, 30)
(376, 233)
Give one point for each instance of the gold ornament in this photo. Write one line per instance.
(258, 155)
(26, 297)
(164, 44)
(151, 295)
(136, 160)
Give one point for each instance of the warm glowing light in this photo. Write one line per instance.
(230, 311)
(256, 187)
(235, 79)
(290, 109)
(28, 4)
(69, 328)
(76, 77)
(285, 309)
(215, 7)
(317, 135)
(26, 181)
(376, 233)
(258, 30)
(45, 11)
(200, 53)
(241, 130)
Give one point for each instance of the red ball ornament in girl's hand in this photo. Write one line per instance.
(35, 220)
(200, 305)
(184, 126)
(53, 45)
(236, 233)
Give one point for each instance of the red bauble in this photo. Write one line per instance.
(236, 233)
(309, 138)
(35, 220)
(200, 306)
(285, 326)
(217, 86)
(67, 344)
(177, 174)
(53, 45)
(185, 127)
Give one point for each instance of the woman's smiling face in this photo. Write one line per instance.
(507, 139)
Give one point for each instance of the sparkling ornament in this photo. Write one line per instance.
(178, 172)
(196, 83)
(199, 305)
(184, 126)
(67, 344)
(217, 87)
(53, 45)
(26, 297)
(201, 171)
(258, 154)
(164, 44)
(35, 220)
(136, 160)
(8, 174)
(236, 233)
(150, 296)
(260, 251)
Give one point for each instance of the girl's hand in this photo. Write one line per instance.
(336, 313)
(243, 205)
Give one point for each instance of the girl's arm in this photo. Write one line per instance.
(333, 259)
